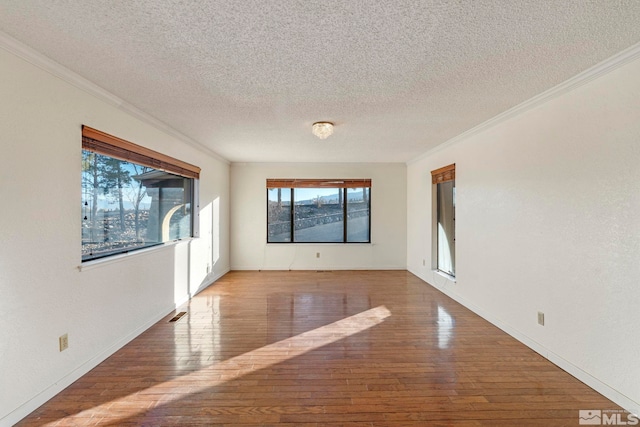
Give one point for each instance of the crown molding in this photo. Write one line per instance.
(39, 60)
(605, 67)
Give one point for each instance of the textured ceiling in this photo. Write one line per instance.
(247, 78)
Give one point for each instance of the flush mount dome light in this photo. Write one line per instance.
(322, 129)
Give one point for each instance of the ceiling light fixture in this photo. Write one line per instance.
(322, 129)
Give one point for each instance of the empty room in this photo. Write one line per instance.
(319, 213)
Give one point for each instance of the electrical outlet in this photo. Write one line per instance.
(317, 254)
(424, 262)
(64, 342)
(540, 318)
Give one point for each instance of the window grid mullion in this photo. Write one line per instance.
(344, 215)
(292, 216)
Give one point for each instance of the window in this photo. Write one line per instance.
(445, 207)
(318, 211)
(132, 197)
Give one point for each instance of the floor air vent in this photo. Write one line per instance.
(178, 316)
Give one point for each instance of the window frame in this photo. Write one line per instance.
(103, 144)
(341, 184)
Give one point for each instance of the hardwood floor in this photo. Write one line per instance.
(354, 348)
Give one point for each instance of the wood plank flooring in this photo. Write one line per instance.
(342, 348)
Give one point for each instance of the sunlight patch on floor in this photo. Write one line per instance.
(236, 367)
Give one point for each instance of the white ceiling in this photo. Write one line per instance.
(247, 78)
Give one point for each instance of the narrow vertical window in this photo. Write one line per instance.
(444, 181)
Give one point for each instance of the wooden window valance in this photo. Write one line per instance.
(447, 173)
(318, 183)
(109, 145)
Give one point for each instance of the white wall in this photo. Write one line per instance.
(249, 250)
(547, 220)
(42, 292)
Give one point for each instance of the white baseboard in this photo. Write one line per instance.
(34, 403)
(315, 268)
(599, 386)
(64, 382)
(602, 388)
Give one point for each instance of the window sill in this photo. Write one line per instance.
(90, 265)
(445, 275)
(322, 243)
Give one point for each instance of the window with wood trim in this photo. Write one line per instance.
(445, 207)
(133, 197)
(318, 210)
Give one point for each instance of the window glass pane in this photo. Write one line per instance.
(278, 215)
(358, 207)
(318, 215)
(126, 206)
(446, 227)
